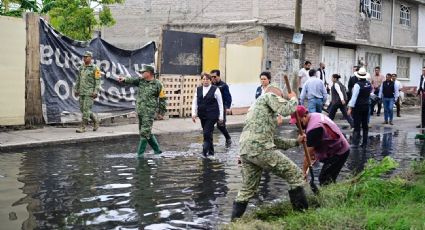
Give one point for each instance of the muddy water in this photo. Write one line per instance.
(103, 186)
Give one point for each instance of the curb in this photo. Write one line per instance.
(30, 145)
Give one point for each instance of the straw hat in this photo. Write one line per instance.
(362, 74)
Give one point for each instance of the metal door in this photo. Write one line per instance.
(339, 61)
(346, 60)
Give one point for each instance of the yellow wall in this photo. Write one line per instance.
(210, 54)
(243, 63)
(12, 71)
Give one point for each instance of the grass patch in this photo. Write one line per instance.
(370, 200)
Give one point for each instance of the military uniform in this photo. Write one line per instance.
(87, 85)
(259, 151)
(150, 99)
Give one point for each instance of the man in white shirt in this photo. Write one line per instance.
(207, 104)
(303, 75)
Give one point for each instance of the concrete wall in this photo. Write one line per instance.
(353, 26)
(12, 69)
(139, 21)
(389, 62)
(406, 35)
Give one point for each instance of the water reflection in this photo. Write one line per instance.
(102, 185)
(387, 144)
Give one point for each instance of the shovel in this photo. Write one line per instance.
(313, 186)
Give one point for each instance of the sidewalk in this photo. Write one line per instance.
(51, 135)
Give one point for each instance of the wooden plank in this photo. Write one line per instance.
(33, 105)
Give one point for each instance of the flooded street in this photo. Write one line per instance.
(102, 186)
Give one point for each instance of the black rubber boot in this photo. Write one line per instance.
(298, 199)
(355, 142)
(238, 209)
(364, 138)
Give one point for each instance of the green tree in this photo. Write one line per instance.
(76, 19)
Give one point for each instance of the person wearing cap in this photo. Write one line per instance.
(314, 90)
(227, 103)
(151, 99)
(388, 93)
(86, 88)
(325, 141)
(339, 99)
(359, 104)
(258, 150)
(207, 104)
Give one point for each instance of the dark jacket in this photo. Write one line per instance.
(364, 93)
(225, 93)
(420, 89)
(258, 92)
(208, 105)
(335, 95)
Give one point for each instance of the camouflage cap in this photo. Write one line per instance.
(88, 54)
(147, 68)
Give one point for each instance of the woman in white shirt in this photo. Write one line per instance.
(207, 104)
(265, 78)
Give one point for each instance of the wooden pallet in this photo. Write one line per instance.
(180, 90)
(172, 86)
(190, 83)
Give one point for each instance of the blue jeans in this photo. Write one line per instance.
(315, 105)
(388, 108)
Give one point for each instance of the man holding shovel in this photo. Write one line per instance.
(258, 150)
(325, 142)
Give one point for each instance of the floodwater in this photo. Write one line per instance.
(102, 185)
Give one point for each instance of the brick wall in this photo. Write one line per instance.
(281, 54)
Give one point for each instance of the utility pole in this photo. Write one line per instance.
(298, 9)
(297, 40)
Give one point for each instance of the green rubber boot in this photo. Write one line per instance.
(142, 146)
(153, 142)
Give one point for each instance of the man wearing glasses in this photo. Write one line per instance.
(227, 102)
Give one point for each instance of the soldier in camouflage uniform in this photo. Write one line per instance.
(87, 88)
(150, 99)
(259, 150)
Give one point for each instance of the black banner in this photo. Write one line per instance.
(60, 58)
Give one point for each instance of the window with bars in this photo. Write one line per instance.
(372, 8)
(375, 9)
(372, 60)
(403, 67)
(404, 15)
